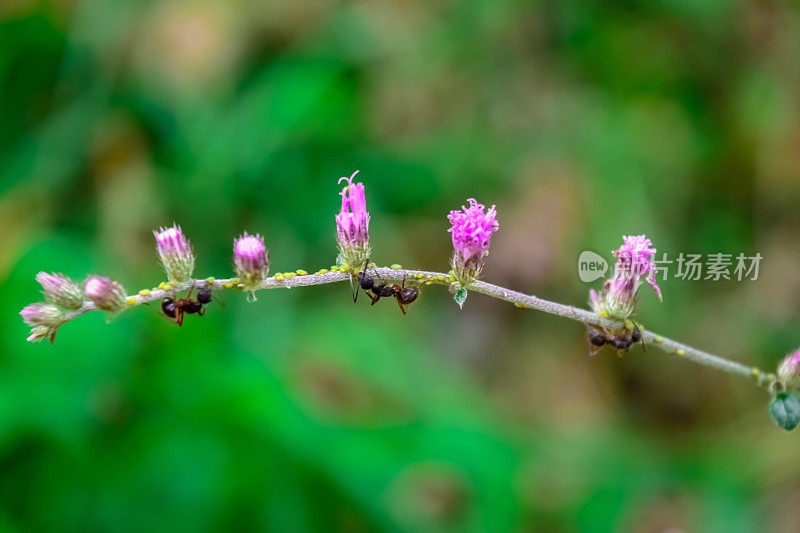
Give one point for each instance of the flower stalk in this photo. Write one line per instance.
(471, 232)
(338, 274)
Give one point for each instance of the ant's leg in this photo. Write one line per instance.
(374, 298)
(354, 288)
(179, 317)
(402, 307)
(171, 319)
(201, 312)
(364, 270)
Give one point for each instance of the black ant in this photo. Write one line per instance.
(404, 295)
(175, 309)
(600, 337)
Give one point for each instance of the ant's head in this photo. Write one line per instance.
(365, 280)
(168, 306)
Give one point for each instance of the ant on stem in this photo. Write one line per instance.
(404, 295)
(175, 310)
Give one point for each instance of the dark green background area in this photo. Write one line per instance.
(581, 120)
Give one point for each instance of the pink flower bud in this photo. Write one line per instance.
(471, 231)
(60, 290)
(789, 371)
(250, 259)
(106, 294)
(41, 314)
(44, 320)
(352, 224)
(175, 253)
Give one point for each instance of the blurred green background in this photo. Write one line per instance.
(582, 120)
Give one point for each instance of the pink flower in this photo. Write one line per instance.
(60, 290)
(40, 314)
(44, 320)
(617, 298)
(352, 224)
(634, 262)
(250, 259)
(250, 254)
(471, 231)
(175, 253)
(793, 359)
(106, 293)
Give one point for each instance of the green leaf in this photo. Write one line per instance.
(460, 297)
(785, 410)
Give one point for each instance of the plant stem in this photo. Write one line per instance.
(292, 280)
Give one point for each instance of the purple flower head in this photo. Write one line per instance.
(352, 224)
(634, 262)
(634, 265)
(44, 320)
(175, 253)
(250, 259)
(106, 293)
(60, 290)
(789, 371)
(471, 230)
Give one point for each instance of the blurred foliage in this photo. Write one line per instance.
(581, 120)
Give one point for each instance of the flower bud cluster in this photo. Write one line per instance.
(471, 232)
(63, 297)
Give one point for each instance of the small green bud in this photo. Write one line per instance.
(785, 410)
(460, 297)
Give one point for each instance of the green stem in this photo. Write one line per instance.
(293, 279)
